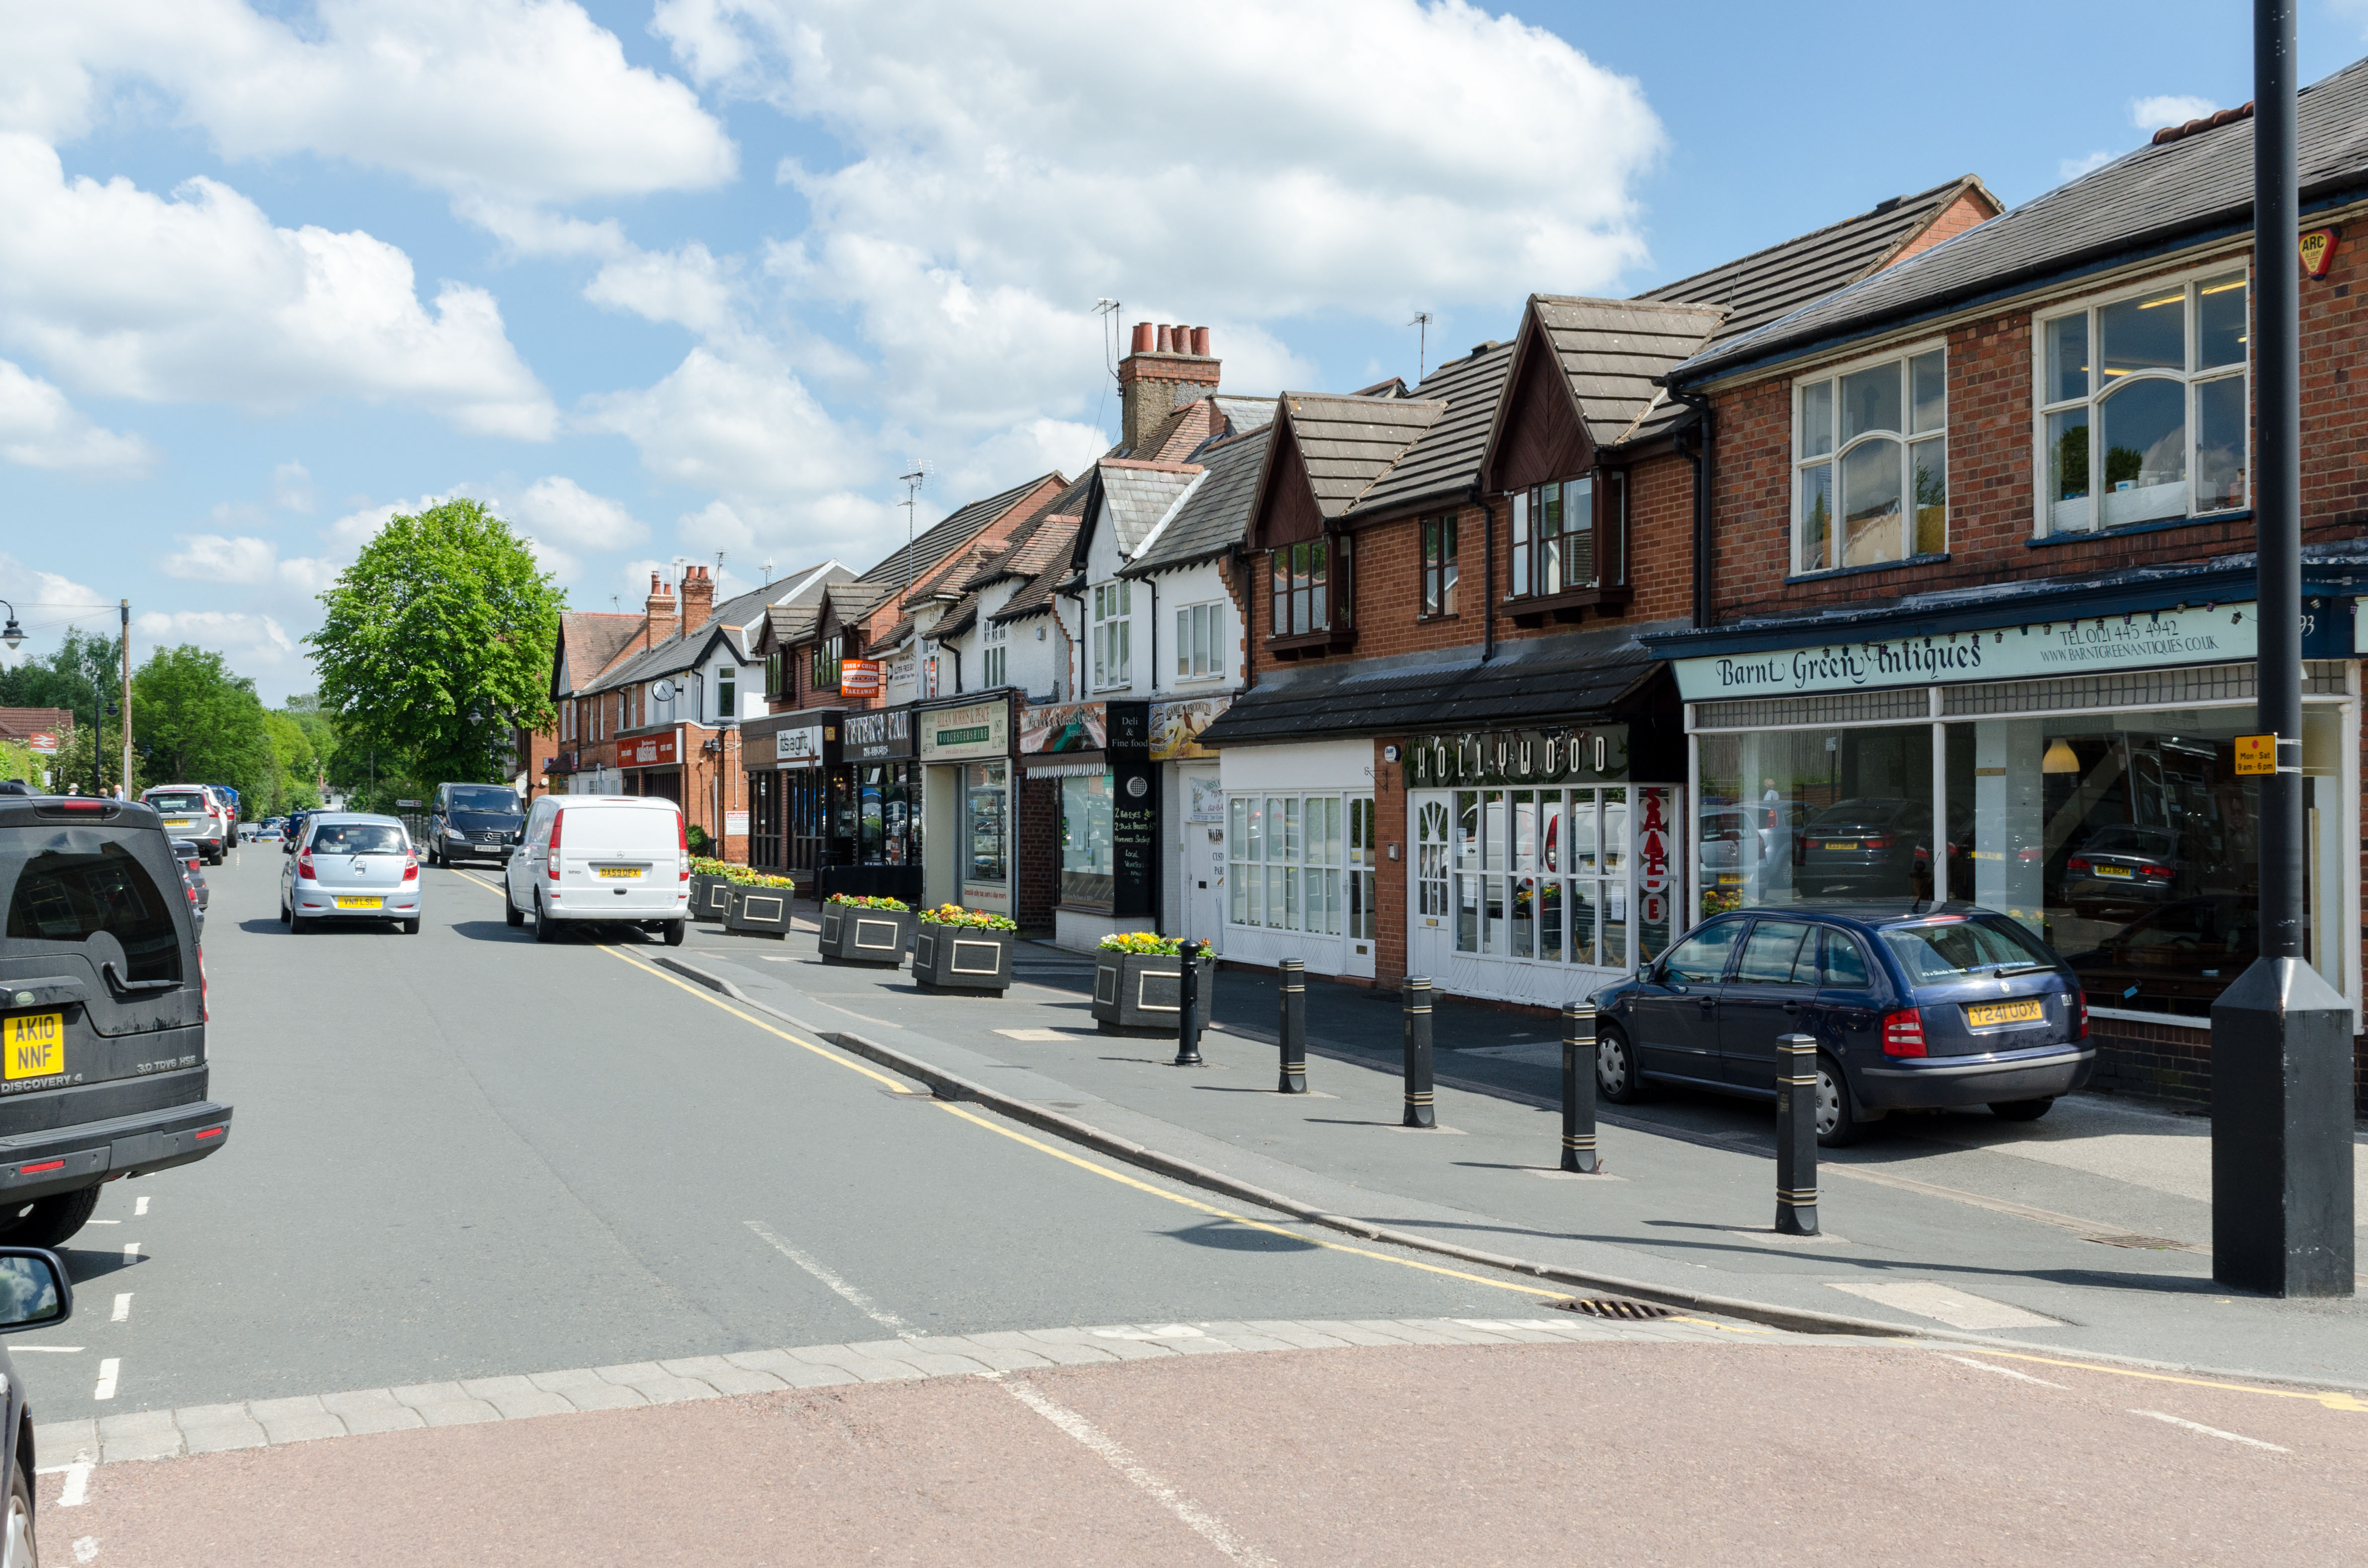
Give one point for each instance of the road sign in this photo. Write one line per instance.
(2256, 755)
(406, 803)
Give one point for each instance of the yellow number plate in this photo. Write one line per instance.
(633, 872)
(2112, 871)
(178, 822)
(1852, 845)
(361, 903)
(1990, 1013)
(36, 1046)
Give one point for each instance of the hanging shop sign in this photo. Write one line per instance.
(883, 733)
(648, 750)
(1175, 727)
(1518, 756)
(1655, 854)
(974, 730)
(2092, 645)
(858, 678)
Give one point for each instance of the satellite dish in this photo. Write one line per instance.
(663, 690)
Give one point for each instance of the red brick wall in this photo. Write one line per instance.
(1955, 219)
(1390, 877)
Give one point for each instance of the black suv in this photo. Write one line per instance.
(102, 1011)
(474, 821)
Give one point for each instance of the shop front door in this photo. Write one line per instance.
(1430, 928)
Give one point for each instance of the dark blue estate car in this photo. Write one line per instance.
(1955, 1005)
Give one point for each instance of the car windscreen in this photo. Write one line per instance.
(177, 801)
(357, 839)
(73, 884)
(486, 798)
(2152, 841)
(1954, 948)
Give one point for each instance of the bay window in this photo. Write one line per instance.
(1870, 463)
(2142, 406)
(1311, 586)
(827, 653)
(1113, 643)
(1567, 536)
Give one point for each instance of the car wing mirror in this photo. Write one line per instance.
(34, 1291)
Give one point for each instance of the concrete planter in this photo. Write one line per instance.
(709, 895)
(759, 912)
(1138, 994)
(961, 958)
(869, 937)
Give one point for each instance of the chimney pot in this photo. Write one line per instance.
(1143, 337)
(1200, 341)
(1166, 338)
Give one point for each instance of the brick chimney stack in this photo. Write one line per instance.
(658, 621)
(698, 599)
(1169, 367)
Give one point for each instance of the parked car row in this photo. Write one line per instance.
(201, 814)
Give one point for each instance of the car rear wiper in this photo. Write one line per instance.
(2025, 967)
(123, 987)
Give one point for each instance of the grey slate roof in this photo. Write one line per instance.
(1447, 460)
(1611, 349)
(1212, 518)
(1534, 679)
(909, 562)
(1347, 442)
(1758, 288)
(1138, 498)
(1243, 413)
(2189, 188)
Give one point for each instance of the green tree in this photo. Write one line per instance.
(437, 640)
(83, 671)
(196, 722)
(294, 768)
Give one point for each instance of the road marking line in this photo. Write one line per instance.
(709, 996)
(2213, 1431)
(2001, 1371)
(122, 1308)
(131, 1252)
(76, 1491)
(139, 1207)
(2333, 1399)
(108, 1369)
(1238, 1219)
(102, 1221)
(1944, 1303)
(853, 1297)
(85, 1548)
(52, 1349)
(1202, 1523)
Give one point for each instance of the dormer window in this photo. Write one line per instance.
(827, 653)
(727, 692)
(1112, 640)
(996, 658)
(1311, 586)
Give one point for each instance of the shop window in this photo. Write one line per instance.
(1542, 875)
(1870, 464)
(1286, 856)
(994, 658)
(986, 813)
(1310, 587)
(887, 830)
(1199, 641)
(1087, 875)
(2142, 406)
(1554, 538)
(827, 653)
(1438, 565)
(1112, 640)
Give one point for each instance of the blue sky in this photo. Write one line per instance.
(664, 281)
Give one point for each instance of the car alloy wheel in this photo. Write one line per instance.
(1837, 1124)
(1616, 1077)
(17, 1549)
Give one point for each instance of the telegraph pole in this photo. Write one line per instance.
(123, 609)
(2282, 1209)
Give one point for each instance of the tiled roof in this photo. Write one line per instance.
(1186, 429)
(592, 641)
(2200, 184)
(1532, 679)
(1139, 497)
(1758, 288)
(1345, 443)
(746, 609)
(1059, 535)
(851, 601)
(1447, 460)
(1214, 515)
(1243, 413)
(20, 722)
(1611, 349)
(913, 562)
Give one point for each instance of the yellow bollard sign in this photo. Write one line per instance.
(2256, 754)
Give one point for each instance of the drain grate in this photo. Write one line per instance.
(1616, 1307)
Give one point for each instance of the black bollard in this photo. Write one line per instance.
(1796, 1135)
(1417, 995)
(1188, 1010)
(1294, 1027)
(1578, 1088)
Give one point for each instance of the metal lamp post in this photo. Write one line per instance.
(2282, 1219)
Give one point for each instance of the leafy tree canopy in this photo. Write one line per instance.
(196, 723)
(437, 639)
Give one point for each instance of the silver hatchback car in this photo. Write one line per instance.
(347, 866)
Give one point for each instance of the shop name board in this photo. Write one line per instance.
(2090, 646)
(1175, 727)
(978, 729)
(650, 751)
(858, 678)
(884, 732)
(798, 747)
(1517, 757)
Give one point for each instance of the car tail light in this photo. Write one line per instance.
(411, 867)
(556, 818)
(2076, 864)
(210, 1132)
(304, 864)
(44, 1166)
(682, 836)
(205, 1007)
(1880, 841)
(1902, 1033)
(2081, 1012)
(2155, 872)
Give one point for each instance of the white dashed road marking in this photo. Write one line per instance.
(2213, 1431)
(122, 1308)
(131, 1252)
(847, 1292)
(48, 1349)
(76, 1491)
(85, 1548)
(2001, 1371)
(107, 1375)
(140, 1208)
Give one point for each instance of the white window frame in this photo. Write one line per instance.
(1299, 883)
(995, 654)
(1112, 639)
(1832, 458)
(727, 683)
(2192, 377)
(1200, 627)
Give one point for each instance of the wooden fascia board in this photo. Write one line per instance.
(1272, 472)
(1533, 330)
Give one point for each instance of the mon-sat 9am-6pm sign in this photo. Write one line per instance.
(2092, 645)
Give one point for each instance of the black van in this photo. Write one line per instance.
(102, 1011)
(474, 821)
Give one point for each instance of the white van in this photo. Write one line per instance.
(622, 858)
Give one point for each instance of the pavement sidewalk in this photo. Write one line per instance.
(2087, 1230)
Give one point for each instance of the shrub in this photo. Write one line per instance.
(969, 919)
(865, 901)
(1146, 942)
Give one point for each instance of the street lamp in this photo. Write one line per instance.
(14, 634)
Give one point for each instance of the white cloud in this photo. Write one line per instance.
(211, 558)
(2073, 168)
(202, 299)
(47, 601)
(567, 513)
(2152, 114)
(687, 286)
(246, 640)
(292, 487)
(528, 101)
(38, 429)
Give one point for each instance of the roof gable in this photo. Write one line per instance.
(1582, 379)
